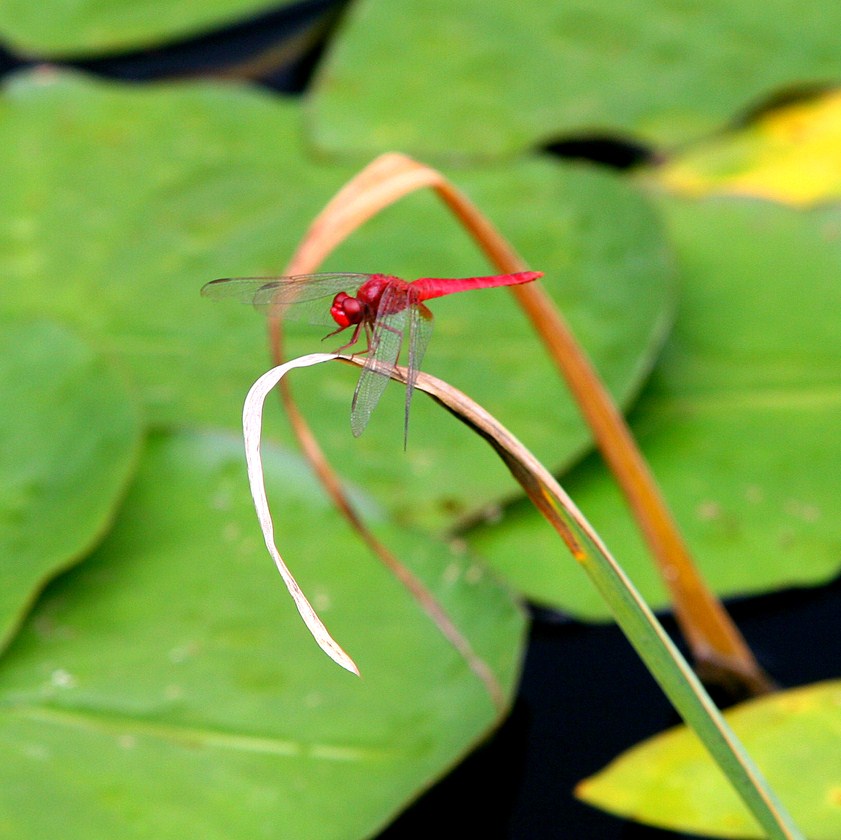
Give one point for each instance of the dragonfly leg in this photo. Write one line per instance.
(369, 333)
(353, 339)
(356, 335)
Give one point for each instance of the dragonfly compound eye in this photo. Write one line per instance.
(346, 310)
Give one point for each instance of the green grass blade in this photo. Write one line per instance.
(665, 662)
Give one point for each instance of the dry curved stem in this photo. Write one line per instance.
(252, 425)
(636, 620)
(719, 649)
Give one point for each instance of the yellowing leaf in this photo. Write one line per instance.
(669, 780)
(791, 155)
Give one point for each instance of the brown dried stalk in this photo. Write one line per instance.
(720, 652)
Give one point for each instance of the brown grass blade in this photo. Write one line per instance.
(718, 647)
(639, 624)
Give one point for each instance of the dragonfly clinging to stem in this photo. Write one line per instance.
(384, 309)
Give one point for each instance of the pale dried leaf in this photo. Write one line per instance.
(252, 422)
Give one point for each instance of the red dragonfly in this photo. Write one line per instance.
(386, 309)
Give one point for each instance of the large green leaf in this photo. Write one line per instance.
(123, 202)
(70, 434)
(669, 780)
(739, 420)
(488, 77)
(84, 27)
(167, 687)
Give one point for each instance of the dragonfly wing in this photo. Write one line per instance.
(383, 351)
(420, 331)
(298, 296)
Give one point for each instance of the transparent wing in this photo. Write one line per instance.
(299, 296)
(420, 331)
(383, 351)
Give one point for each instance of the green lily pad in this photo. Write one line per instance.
(59, 28)
(71, 434)
(134, 216)
(167, 687)
(669, 780)
(492, 77)
(738, 422)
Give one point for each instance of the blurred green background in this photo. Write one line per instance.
(646, 156)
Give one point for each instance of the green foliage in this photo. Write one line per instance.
(61, 28)
(71, 435)
(528, 71)
(230, 193)
(168, 666)
(737, 421)
(174, 658)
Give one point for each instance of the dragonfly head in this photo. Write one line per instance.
(347, 310)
